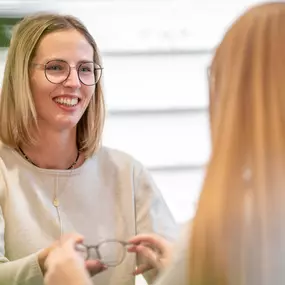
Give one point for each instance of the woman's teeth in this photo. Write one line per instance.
(67, 101)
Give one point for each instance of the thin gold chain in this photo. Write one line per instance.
(56, 202)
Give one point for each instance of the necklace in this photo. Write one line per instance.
(29, 160)
(55, 200)
(56, 203)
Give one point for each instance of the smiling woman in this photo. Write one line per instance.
(55, 176)
(63, 72)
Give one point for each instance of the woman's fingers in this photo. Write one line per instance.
(148, 253)
(64, 242)
(155, 240)
(149, 256)
(156, 251)
(64, 265)
(142, 269)
(94, 267)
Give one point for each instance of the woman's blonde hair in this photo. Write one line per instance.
(238, 233)
(17, 110)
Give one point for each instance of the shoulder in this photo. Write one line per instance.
(116, 158)
(5, 152)
(9, 159)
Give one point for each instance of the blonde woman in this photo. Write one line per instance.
(238, 233)
(55, 177)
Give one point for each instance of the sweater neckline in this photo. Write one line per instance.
(58, 172)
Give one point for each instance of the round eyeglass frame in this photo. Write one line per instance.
(97, 249)
(96, 68)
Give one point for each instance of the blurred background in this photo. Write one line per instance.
(155, 54)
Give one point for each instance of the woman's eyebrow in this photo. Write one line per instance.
(63, 59)
(85, 60)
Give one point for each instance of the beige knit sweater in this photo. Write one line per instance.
(110, 196)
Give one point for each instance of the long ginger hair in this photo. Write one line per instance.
(238, 233)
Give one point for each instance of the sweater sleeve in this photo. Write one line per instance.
(24, 271)
(152, 213)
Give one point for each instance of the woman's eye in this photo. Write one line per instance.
(54, 67)
(85, 69)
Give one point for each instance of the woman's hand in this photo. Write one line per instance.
(44, 253)
(64, 265)
(154, 248)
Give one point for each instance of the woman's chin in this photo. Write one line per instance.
(66, 122)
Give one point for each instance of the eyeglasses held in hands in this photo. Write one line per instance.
(109, 252)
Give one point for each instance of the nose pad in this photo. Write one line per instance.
(73, 79)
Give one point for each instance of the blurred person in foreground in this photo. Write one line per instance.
(238, 233)
(55, 176)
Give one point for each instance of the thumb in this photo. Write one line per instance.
(94, 266)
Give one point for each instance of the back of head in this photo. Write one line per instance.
(17, 110)
(238, 232)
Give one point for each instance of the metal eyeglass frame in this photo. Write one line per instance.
(97, 249)
(96, 67)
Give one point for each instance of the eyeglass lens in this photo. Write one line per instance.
(110, 253)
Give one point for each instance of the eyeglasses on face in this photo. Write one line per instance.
(58, 71)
